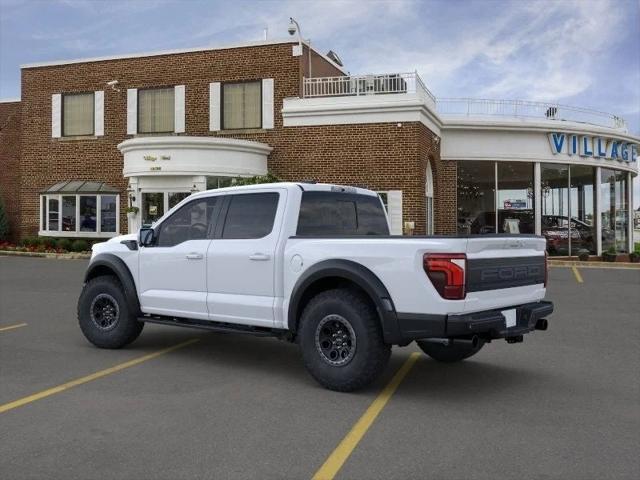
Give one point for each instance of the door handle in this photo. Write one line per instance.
(194, 256)
(260, 257)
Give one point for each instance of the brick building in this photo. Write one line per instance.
(90, 138)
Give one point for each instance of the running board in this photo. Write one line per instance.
(214, 326)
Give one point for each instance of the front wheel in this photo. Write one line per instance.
(104, 314)
(341, 340)
(449, 353)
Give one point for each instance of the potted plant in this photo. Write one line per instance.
(635, 255)
(610, 255)
(583, 255)
(132, 212)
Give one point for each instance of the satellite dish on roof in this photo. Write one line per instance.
(335, 58)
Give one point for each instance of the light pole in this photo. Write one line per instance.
(294, 27)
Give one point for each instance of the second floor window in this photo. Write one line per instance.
(241, 105)
(77, 114)
(156, 110)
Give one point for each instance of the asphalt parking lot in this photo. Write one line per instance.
(564, 404)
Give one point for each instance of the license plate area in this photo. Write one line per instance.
(510, 317)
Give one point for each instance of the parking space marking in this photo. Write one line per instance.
(576, 274)
(334, 463)
(11, 327)
(94, 376)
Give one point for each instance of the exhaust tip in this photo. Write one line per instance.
(542, 324)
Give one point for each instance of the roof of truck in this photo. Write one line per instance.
(311, 187)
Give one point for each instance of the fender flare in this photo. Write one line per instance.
(359, 275)
(108, 261)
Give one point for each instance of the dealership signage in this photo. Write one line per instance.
(593, 146)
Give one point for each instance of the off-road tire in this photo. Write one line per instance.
(116, 334)
(370, 355)
(449, 354)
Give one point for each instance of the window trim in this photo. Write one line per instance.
(93, 117)
(44, 228)
(236, 82)
(161, 87)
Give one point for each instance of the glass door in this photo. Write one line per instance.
(152, 207)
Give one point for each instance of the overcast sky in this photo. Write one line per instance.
(578, 52)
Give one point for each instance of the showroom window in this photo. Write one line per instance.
(242, 105)
(78, 114)
(515, 198)
(79, 209)
(476, 197)
(614, 211)
(156, 110)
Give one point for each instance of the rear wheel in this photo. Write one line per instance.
(449, 353)
(341, 340)
(104, 314)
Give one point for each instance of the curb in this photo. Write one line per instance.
(56, 256)
(614, 265)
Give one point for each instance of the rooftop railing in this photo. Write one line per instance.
(399, 83)
(473, 107)
(357, 85)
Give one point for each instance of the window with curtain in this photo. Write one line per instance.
(241, 105)
(77, 114)
(156, 110)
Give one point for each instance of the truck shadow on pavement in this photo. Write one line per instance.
(236, 357)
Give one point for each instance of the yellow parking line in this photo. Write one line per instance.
(11, 327)
(334, 463)
(576, 274)
(94, 376)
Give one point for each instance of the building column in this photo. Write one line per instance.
(630, 211)
(537, 196)
(598, 212)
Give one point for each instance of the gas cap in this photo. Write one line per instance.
(296, 263)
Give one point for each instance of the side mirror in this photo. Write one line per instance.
(147, 237)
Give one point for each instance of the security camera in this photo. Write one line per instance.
(292, 28)
(113, 84)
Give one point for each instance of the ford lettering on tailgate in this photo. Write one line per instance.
(496, 273)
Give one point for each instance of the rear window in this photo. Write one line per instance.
(250, 215)
(330, 213)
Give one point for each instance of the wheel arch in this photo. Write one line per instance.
(109, 264)
(330, 274)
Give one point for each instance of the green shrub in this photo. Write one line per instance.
(79, 246)
(268, 178)
(65, 244)
(29, 242)
(49, 243)
(636, 247)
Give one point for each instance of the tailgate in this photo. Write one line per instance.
(504, 271)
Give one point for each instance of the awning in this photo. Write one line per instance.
(80, 186)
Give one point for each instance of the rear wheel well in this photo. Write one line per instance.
(324, 284)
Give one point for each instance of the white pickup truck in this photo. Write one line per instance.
(315, 264)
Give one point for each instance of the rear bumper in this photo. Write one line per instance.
(489, 324)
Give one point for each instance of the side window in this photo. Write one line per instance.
(193, 221)
(250, 215)
(327, 213)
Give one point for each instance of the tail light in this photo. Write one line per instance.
(546, 268)
(447, 273)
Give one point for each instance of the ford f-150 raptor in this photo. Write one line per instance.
(315, 264)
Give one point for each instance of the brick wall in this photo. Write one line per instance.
(46, 160)
(10, 163)
(379, 156)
